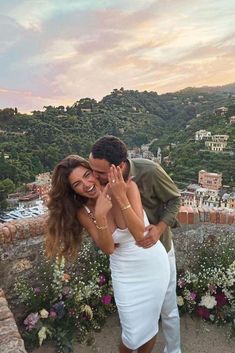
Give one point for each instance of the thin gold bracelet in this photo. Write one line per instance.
(101, 227)
(125, 207)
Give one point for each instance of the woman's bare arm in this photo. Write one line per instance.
(102, 237)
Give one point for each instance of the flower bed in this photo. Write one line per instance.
(206, 285)
(67, 304)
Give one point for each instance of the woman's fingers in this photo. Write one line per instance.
(119, 174)
(105, 190)
(112, 175)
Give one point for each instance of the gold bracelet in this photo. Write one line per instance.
(101, 227)
(125, 207)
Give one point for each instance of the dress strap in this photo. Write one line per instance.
(90, 214)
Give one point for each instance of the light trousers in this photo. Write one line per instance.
(169, 313)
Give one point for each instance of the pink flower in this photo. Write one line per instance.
(37, 290)
(193, 295)
(182, 283)
(31, 321)
(221, 299)
(102, 280)
(106, 299)
(203, 312)
(212, 288)
(52, 314)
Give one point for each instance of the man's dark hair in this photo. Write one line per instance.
(110, 148)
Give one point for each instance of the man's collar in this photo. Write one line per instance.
(130, 168)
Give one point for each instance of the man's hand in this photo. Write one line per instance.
(153, 235)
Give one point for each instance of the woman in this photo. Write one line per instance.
(114, 218)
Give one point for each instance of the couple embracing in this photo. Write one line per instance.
(127, 206)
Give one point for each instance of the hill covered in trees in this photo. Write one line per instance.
(34, 143)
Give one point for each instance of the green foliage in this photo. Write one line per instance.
(35, 143)
(6, 187)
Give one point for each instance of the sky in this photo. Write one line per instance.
(55, 52)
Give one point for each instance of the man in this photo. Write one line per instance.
(160, 198)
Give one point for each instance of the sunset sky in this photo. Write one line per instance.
(54, 52)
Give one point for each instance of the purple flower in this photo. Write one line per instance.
(59, 309)
(37, 290)
(182, 283)
(193, 295)
(52, 314)
(221, 299)
(106, 299)
(31, 320)
(203, 312)
(102, 280)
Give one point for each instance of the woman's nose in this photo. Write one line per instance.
(86, 183)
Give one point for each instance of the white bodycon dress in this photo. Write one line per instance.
(140, 279)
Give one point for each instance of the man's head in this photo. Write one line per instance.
(106, 151)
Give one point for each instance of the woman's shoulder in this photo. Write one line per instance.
(132, 188)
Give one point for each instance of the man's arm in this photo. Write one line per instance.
(164, 189)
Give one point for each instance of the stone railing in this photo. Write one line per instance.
(10, 339)
(20, 245)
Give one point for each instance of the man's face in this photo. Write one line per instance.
(100, 169)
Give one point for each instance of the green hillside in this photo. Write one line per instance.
(31, 144)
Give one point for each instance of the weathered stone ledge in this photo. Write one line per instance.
(22, 229)
(10, 339)
(27, 228)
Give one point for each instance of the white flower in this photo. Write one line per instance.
(44, 314)
(42, 334)
(208, 301)
(180, 300)
(87, 309)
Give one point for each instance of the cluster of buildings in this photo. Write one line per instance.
(30, 204)
(144, 152)
(208, 192)
(215, 143)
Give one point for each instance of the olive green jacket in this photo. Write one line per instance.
(159, 194)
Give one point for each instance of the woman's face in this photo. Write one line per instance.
(84, 183)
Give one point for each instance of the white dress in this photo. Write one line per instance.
(140, 279)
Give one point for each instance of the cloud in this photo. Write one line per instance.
(53, 51)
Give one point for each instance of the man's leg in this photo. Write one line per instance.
(170, 313)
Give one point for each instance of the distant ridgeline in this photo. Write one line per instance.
(32, 144)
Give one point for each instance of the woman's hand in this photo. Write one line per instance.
(117, 184)
(103, 203)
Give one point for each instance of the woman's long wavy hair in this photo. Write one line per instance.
(63, 236)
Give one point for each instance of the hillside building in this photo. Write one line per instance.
(218, 143)
(232, 119)
(202, 135)
(221, 111)
(211, 181)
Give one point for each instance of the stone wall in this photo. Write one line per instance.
(20, 250)
(10, 339)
